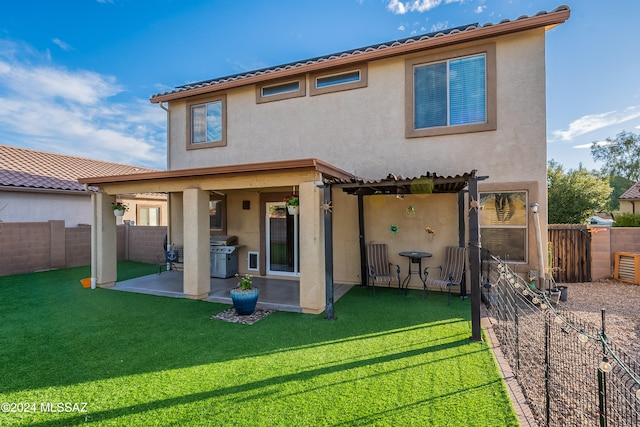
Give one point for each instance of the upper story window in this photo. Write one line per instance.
(291, 88)
(337, 80)
(451, 92)
(207, 123)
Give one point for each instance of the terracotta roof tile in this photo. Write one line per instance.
(26, 168)
(632, 193)
(346, 54)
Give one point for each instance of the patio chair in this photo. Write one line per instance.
(379, 267)
(451, 272)
(175, 257)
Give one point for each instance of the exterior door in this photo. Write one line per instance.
(282, 235)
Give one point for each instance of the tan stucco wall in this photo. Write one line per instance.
(627, 206)
(197, 282)
(134, 202)
(370, 140)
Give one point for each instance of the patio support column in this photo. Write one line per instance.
(312, 254)
(474, 260)
(197, 260)
(176, 219)
(364, 274)
(106, 249)
(328, 255)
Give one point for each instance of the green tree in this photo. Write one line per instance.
(621, 156)
(575, 195)
(619, 186)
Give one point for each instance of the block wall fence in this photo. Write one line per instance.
(34, 246)
(605, 241)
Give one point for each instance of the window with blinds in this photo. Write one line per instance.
(450, 93)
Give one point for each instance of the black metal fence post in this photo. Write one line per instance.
(547, 372)
(515, 319)
(602, 377)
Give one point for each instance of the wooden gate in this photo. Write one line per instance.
(570, 253)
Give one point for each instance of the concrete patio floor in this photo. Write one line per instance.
(275, 294)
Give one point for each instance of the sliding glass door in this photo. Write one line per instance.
(282, 234)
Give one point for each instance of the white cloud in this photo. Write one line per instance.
(439, 26)
(62, 45)
(400, 8)
(480, 9)
(582, 146)
(50, 108)
(592, 122)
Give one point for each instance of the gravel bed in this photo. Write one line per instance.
(621, 302)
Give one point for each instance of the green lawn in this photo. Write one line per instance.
(141, 360)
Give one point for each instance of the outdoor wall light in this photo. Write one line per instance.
(534, 207)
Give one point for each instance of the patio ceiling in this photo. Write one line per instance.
(397, 184)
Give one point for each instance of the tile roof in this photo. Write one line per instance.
(632, 193)
(363, 53)
(26, 168)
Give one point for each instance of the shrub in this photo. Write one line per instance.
(627, 220)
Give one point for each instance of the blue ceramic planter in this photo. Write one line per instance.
(244, 301)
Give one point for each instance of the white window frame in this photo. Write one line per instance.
(361, 82)
(284, 93)
(199, 102)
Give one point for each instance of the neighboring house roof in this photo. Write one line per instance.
(432, 40)
(632, 193)
(22, 168)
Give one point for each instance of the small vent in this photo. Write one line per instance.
(627, 267)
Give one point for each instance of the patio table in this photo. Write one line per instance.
(415, 257)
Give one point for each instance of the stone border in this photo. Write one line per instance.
(522, 409)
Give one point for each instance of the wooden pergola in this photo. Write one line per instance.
(398, 185)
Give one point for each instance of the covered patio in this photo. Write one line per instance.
(464, 187)
(250, 192)
(275, 294)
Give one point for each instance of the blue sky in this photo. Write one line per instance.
(76, 76)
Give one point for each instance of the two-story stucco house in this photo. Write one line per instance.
(462, 111)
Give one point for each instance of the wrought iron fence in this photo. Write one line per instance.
(571, 373)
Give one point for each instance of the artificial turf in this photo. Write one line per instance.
(128, 359)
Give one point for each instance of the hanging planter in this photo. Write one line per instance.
(293, 204)
(119, 208)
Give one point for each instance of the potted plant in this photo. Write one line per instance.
(119, 208)
(293, 204)
(245, 296)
